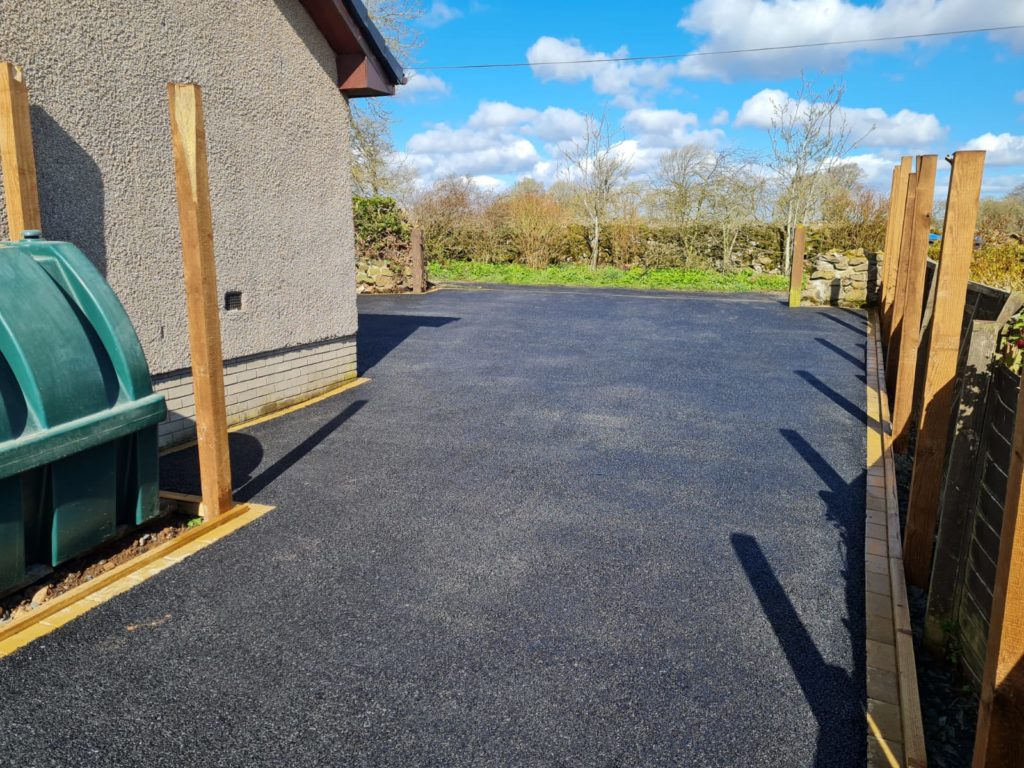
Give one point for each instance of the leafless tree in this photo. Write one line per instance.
(597, 172)
(376, 167)
(707, 190)
(809, 135)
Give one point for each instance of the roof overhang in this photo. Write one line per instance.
(366, 67)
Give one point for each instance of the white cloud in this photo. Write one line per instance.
(667, 129)
(721, 117)
(739, 24)
(445, 151)
(877, 168)
(1019, 97)
(440, 13)
(628, 83)
(422, 86)
(1001, 149)
(488, 183)
(497, 140)
(878, 129)
(552, 124)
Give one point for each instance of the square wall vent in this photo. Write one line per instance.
(232, 300)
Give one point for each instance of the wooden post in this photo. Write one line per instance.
(890, 222)
(194, 215)
(419, 273)
(943, 351)
(999, 740)
(917, 266)
(16, 155)
(899, 303)
(796, 271)
(893, 235)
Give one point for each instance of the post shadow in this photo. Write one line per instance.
(247, 490)
(379, 334)
(859, 331)
(853, 409)
(858, 362)
(70, 189)
(836, 697)
(179, 471)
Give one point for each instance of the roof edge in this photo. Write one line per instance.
(394, 70)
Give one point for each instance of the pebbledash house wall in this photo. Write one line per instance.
(277, 130)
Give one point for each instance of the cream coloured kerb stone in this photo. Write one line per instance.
(259, 384)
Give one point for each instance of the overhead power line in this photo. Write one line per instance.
(691, 54)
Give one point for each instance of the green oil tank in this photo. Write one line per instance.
(78, 417)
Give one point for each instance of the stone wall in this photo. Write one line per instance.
(383, 275)
(843, 278)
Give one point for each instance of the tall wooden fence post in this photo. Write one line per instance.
(910, 328)
(943, 351)
(796, 270)
(196, 220)
(999, 740)
(892, 347)
(893, 235)
(419, 272)
(16, 155)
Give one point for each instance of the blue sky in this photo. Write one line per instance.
(499, 125)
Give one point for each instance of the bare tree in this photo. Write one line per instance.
(377, 168)
(597, 172)
(734, 200)
(704, 191)
(687, 178)
(809, 135)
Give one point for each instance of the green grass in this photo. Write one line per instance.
(670, 279)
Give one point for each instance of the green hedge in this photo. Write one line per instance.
(382, 232)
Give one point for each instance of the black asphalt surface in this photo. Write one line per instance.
(558, 528)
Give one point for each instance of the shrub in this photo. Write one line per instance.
(382, 231)
(999, 264)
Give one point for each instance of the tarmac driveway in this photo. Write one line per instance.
(557, 528)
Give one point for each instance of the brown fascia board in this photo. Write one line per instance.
(365, 65)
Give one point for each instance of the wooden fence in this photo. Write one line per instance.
(954, 411)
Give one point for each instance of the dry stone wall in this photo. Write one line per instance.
(843, 278)
(383, 276)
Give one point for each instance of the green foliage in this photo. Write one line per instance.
(630, 243)
(195, 522)
(1010, 351)
(382, 230)
(677, 279)
(999, 262)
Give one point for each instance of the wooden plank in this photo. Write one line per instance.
(196, 221)
(892, 351)
(917, 265)
(897, 208)
(943, 351)
(912, 727)
(21, 192)
(890, 223)
(796, 272)
(419, 272)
